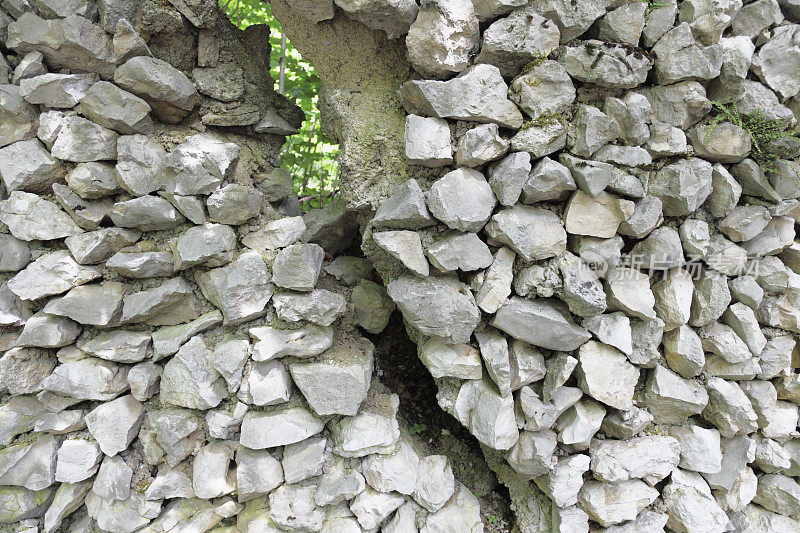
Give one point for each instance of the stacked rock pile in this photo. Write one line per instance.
(604, 279)
(174, 356)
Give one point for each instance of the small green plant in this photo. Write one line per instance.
(491, 519)
(416, 429)
(539, 57)
(652, 5)
(763, 133)
(543, 120)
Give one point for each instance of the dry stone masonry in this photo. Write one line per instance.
(599, 275)
(602, 279)
(178, 352)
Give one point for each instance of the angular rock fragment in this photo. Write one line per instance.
(605, 374)
(672, 399)
(147, 213)
(320, 306)
(440, 39)
(168, 91)
(116, 423)
(30, 218)
(511, 226)
(404, 209)
(542, 88)
(28, 166)
(95, 304)
(405, 246)
(596, 217)
(552, 328)
(488, 416)
(606, 64)
(614, 503)
(172, 302)
(427, 141)
(477, 94)
(199, 165)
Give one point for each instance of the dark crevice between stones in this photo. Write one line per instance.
(399, 368)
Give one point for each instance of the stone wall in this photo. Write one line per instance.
(597, 263)
(600, 275)
(179, 352)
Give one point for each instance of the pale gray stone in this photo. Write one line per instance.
(52, 273)
(127, 43)
(441, 38)
(514, 41)
(541, 138)
(477, 94)
(168, 91)
(80, 140)
(56, 90)
(393, 17)
(120, 346)
(240, 290)
(276, 234)
(679, 58)
(46, 331)
(680, 105)
(97, 304)
(487, 415)
(257, 473)
(614, 503)
(480, 145)
(190, 379)
(78, 459)
(18, 116)
(28, 166)
(775, 61)
(234, 204)
(545, 88)
(596, 217)
(372, 306)
(689, 502)
(427, 141)
(30, 218)
(199, 165)
(553, 328)
(496, 286)
(548, 181)
(605, 374)
(170, 303)
(320, 306)
(132, 263)
(624, 24)
(87, 379)
(672, 399)
(665, 140)
(143, 379)
(397, 471)
(210, 245)
(96, 246)
(605, 64)
(278, 427)
(307, 341)
(532, 455)
(23, 369)
(94, 180)
(439, 307)
(116, 423)
(573, 21)
(682, 186)
(651, 458)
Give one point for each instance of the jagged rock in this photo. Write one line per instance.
(581, 288)
(441, 38)
(18, 116)
(56, 90)
(373, 430)
(651, 458)
(464, 252)
(614, 503)
(545, 88)
(723, 143)
(132, 263)
(487, 415)
(127, 43)
(168, 91)
(94, 180)
(319, 306)
(700, 448)
(605, 374)
(427, 142)
(199, 165)
(116, 423)
(78, 459)
(276, 234)
(680, 105)
(257, 473)
(571, 21)
(509, 227)
(623, 24)
(307, 341)
(454, 360)
(88, 215)
(613, 329)
(682, 186)
(372, 306)
(672, 399)
(394, 18)
(87, 379)
(728, 408)
(30, 464)
(147, 213)
(461, 512)
(80, 140)
(96, 246)
(673, 298)
(752, 180)
(462, 199)
(121, 346)
(477, 94)
(406, 246)
(590, 130)
(339, 383)
(723, 341)
(23, 369)
(691, 506)
(711, 298)
(394, 472)
(554, 330)
(95, 304)
(52, 273)
(405, 208)
(435, 482)
(774, 62)
(143, 379)
(549, 180)
(605, 64)
(167, 304)
(190, 379)
(110, 106)
(680, 58)
(496, 286)
(665, 140)
(596, 217)
(532, 455)
(439, 307)
(28, 166)
(45, 331)
(73, 42)
(514, 41)
(628, 290)
(13, 311)
(683, 350)
(480, 145)
(30, 217)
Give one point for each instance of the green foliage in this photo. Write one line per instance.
(543, 120)
(539, 57)
(309, 155)
(652, 5)
(763, 133)
(416, 429)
